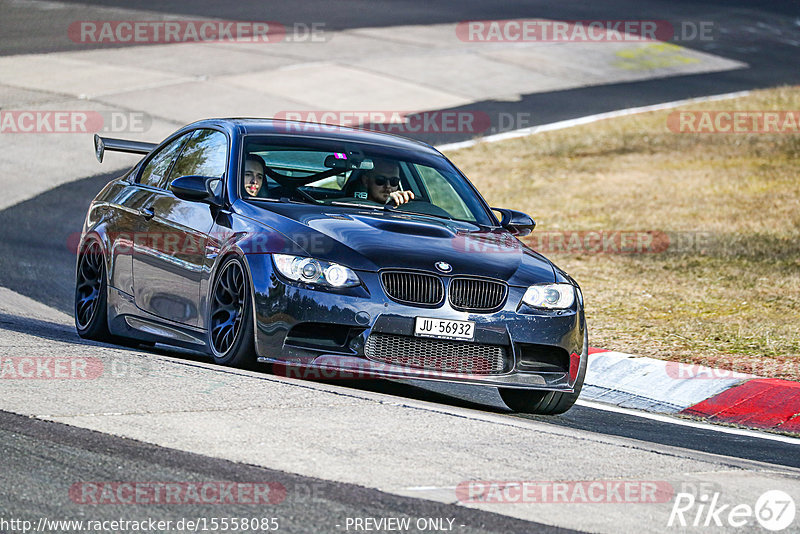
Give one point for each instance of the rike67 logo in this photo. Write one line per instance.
(774, 510)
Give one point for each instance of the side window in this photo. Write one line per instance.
(442, 193)
(205, 154)
(154, 173)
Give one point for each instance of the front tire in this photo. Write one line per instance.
(547, 402)
(538, 402)
(230, 325)
(91, 294)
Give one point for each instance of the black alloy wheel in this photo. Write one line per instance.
(91, 294)
(230, 317)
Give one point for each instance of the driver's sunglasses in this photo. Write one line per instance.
(394, 181)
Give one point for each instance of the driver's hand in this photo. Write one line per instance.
(400, 197)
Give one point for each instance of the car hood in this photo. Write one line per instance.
(371, 240)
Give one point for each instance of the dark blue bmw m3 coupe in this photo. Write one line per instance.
(328, 248)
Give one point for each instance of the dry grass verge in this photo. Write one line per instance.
(721, 287)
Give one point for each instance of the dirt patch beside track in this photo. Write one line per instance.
(686, 244)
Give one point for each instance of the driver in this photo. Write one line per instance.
(254, 170)
(383, 183)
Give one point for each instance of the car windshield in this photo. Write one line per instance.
(355, 175)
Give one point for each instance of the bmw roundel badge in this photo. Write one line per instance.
(444, 266)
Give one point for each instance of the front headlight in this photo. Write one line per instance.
(550, 296)
(314, 271)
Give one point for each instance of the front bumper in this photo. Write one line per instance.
(323, 334)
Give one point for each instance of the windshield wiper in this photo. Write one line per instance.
(306, 195)
(282, 200)
(422, 214)
(375, 206)
(391, 208)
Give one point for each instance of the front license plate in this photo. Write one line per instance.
(444, 328)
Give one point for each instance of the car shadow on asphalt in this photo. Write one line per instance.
(41, 328)
(462, 397)
(53, 331)
(473, 397)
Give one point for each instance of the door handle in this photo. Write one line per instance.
(147, 213)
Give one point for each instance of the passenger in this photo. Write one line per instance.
(383, 183)
(254, 171)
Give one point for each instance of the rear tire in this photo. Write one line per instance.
(91, 294)
(230, 322)
(547, 402)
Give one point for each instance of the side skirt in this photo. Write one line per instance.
(128, 321)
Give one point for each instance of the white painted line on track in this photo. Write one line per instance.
(588, 119)
(689, 423)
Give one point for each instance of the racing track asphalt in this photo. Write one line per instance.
(766, 37)
(38, 263)
(28, 31)
(37, 260)
(42, 460)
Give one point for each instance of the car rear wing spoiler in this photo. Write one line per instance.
(101, 144)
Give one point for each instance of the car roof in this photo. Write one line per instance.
(318, 131)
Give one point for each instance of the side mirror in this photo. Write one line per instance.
(198, 189)
(516, 222)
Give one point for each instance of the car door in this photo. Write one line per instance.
(169, 259)
(134, 203)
